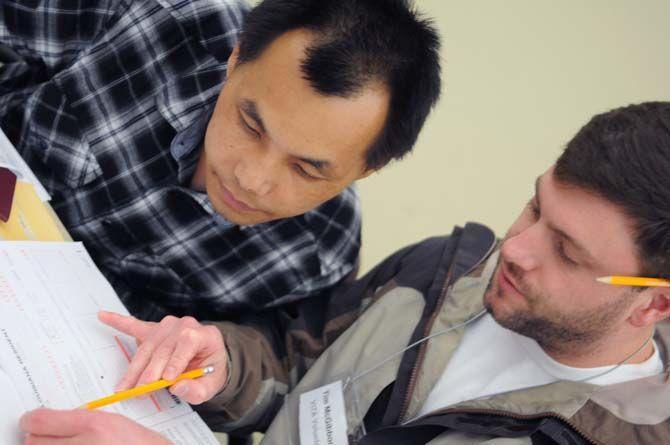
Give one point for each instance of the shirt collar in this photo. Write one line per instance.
(190, 138)
(185, 149)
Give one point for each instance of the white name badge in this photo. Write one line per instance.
(322, 417)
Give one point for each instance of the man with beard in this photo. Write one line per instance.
(462, 339)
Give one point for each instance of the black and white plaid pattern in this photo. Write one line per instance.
(93, 95)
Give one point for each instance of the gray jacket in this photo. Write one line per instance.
(421, 290)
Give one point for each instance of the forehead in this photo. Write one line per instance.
(597, 224)
(300, 119)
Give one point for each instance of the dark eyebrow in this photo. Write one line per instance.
(584, 251)
(249, 108)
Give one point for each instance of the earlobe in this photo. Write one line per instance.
(657, 309)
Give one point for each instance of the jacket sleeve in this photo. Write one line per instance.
(271, 352)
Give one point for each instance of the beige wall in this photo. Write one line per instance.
(521, 77)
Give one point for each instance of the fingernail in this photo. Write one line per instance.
(182, 391)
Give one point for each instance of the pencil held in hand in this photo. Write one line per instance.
(145, 389)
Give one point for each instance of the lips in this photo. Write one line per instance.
(233, 202)
(506, 281)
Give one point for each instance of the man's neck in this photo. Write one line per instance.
(613, 350)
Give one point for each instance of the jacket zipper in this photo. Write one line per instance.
(446, 287)
(422, 348)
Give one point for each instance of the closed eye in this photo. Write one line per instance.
(560, 249)
(559, 245)
(251, 130)
(302, 172)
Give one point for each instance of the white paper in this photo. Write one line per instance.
(12, 160)
(55, 353)
(322, 417)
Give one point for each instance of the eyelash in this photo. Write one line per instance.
(535, 210)
(561, 252)
(248, 127)
(302, 172)
(558, 245)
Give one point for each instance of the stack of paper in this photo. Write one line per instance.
(55, 353)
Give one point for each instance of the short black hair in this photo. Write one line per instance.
(358, 42)
(624, 156)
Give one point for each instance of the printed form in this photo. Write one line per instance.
(55, 353)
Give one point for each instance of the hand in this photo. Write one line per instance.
(80, 427)
(168, 348)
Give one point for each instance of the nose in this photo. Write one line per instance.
(521, 249)
(256, 174)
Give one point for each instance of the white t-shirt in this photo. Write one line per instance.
(491, 360)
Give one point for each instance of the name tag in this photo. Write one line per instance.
(322, 417)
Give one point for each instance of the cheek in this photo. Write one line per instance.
(220, 146)
(563, 290)
(299, 196)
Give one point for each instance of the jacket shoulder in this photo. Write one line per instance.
(432, 261)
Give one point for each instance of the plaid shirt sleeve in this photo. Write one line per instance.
(93, 96)
(38, 40)
(51, 34)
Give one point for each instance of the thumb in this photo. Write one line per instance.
(202, 389)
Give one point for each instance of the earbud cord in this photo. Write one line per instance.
(621, 363)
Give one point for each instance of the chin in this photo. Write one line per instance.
(490, 305)
(236, 218)
(242, 219)
(498, 305)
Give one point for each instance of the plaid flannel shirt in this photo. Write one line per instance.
(100, 98)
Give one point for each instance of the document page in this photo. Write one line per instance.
(55, 353)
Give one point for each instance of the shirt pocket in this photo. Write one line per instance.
(54, 136)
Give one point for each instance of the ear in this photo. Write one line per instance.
(656, 308)
(232, 59)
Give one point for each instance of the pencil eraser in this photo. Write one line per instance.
(7, 186)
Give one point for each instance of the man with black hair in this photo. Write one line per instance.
(463, 339)
(209, 176)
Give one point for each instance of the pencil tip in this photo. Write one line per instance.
(605, 280)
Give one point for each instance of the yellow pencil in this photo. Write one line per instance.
(635, 281)
(145, 389)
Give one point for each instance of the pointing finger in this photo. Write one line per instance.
(145, 352)
(127, 324)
